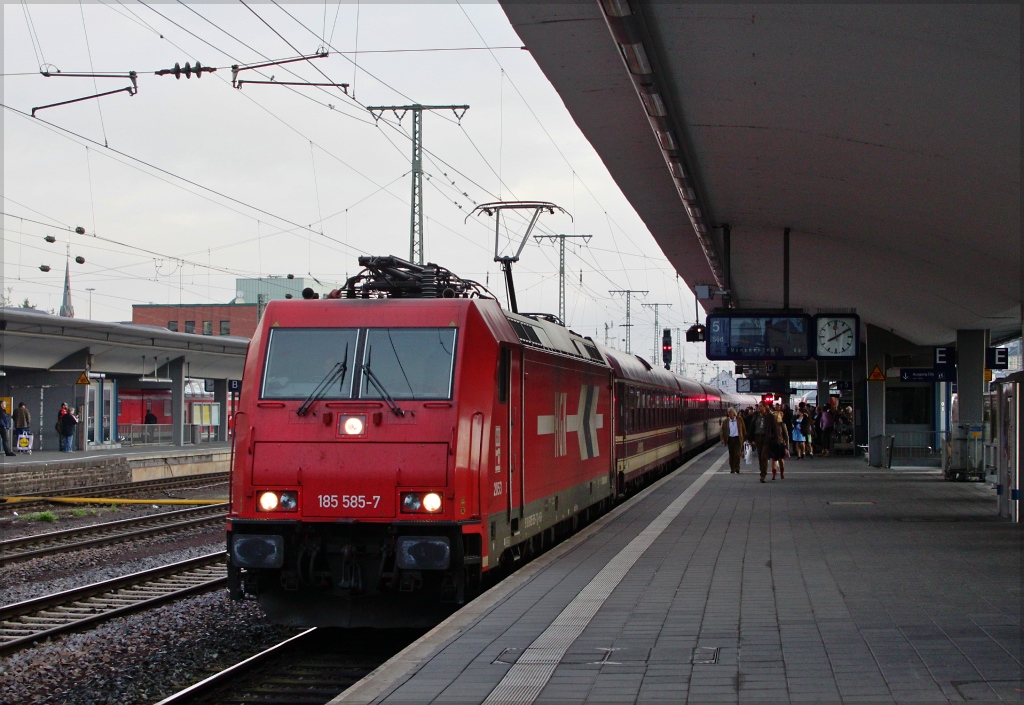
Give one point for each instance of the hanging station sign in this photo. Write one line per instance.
(749, 336)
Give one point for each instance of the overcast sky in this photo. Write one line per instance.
(200, 183)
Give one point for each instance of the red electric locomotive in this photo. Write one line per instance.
(399, 439)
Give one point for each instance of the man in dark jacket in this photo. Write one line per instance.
(762, 429)
(5, 428)
(67, 423)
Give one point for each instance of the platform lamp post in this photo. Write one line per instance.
(90, 289)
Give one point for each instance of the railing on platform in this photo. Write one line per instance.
(151, 434)
(138, 434)
(923, 448)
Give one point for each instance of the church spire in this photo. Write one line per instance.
(66, 309)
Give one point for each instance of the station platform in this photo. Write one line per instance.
(52, 471)
(840, 583)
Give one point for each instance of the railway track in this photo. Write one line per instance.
(26, 547)
(25, 623)
(311, 668)
(126, 488)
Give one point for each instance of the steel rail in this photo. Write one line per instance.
(25, 623)
(125, 487)
(26, 547)
(309, 668)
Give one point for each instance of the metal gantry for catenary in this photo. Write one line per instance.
(495, 209)
(629, 296)
(416, 216)
(656, 326)
(561, 266)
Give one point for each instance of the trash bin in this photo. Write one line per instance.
(197, 434)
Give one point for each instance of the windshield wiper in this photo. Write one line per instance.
(338, 371)
(372, 378)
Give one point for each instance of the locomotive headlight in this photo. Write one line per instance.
(432, 502)
(421, 502)
(278, 501)
(353, 425)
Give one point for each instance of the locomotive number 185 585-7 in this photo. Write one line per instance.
(348, 501)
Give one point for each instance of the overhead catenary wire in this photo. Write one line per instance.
(161, 170)
(535, 116)
(437, 184)
(37, 45)
(88, 49)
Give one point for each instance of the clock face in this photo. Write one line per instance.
(837, 336)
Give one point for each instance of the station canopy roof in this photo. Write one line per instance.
(41, 341)
(886, 137)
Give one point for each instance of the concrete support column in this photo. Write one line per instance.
(859, 377)
(97, 421)
(220, 396)
(970, 374)
(877, 342)
(822, 370)
(176, 368)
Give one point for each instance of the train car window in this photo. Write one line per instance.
(504, 365)
(411, 363)
(298, 360)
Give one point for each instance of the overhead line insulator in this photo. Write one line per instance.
(198, 70)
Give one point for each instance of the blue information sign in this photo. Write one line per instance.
(234, 385)
(945, 357)
(927, 374)
(748, 336)
(997, 358)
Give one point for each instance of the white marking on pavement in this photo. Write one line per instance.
(534, 668)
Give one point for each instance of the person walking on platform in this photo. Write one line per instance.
(66, 427)
(5, 429)
(734, 433)
(826, 422)
(778, 446)
(787, 418)
(763, 427)
(22, 422)
(797, 434)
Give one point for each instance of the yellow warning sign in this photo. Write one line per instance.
(988, 375)
(876, 375)
(83, 379)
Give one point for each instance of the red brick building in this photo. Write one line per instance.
(202, 319)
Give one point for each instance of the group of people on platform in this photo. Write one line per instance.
(13, 427)
(776, 432)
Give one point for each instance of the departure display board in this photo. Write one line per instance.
(746, 336)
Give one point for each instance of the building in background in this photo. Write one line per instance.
(263, 289)
(724, 381)
(202, 319)
(238, 318)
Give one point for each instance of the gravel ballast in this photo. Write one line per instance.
(141, 658)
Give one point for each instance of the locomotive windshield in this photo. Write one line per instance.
(298, 359)
(411, 363)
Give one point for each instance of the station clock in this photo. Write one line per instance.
(836, 336)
